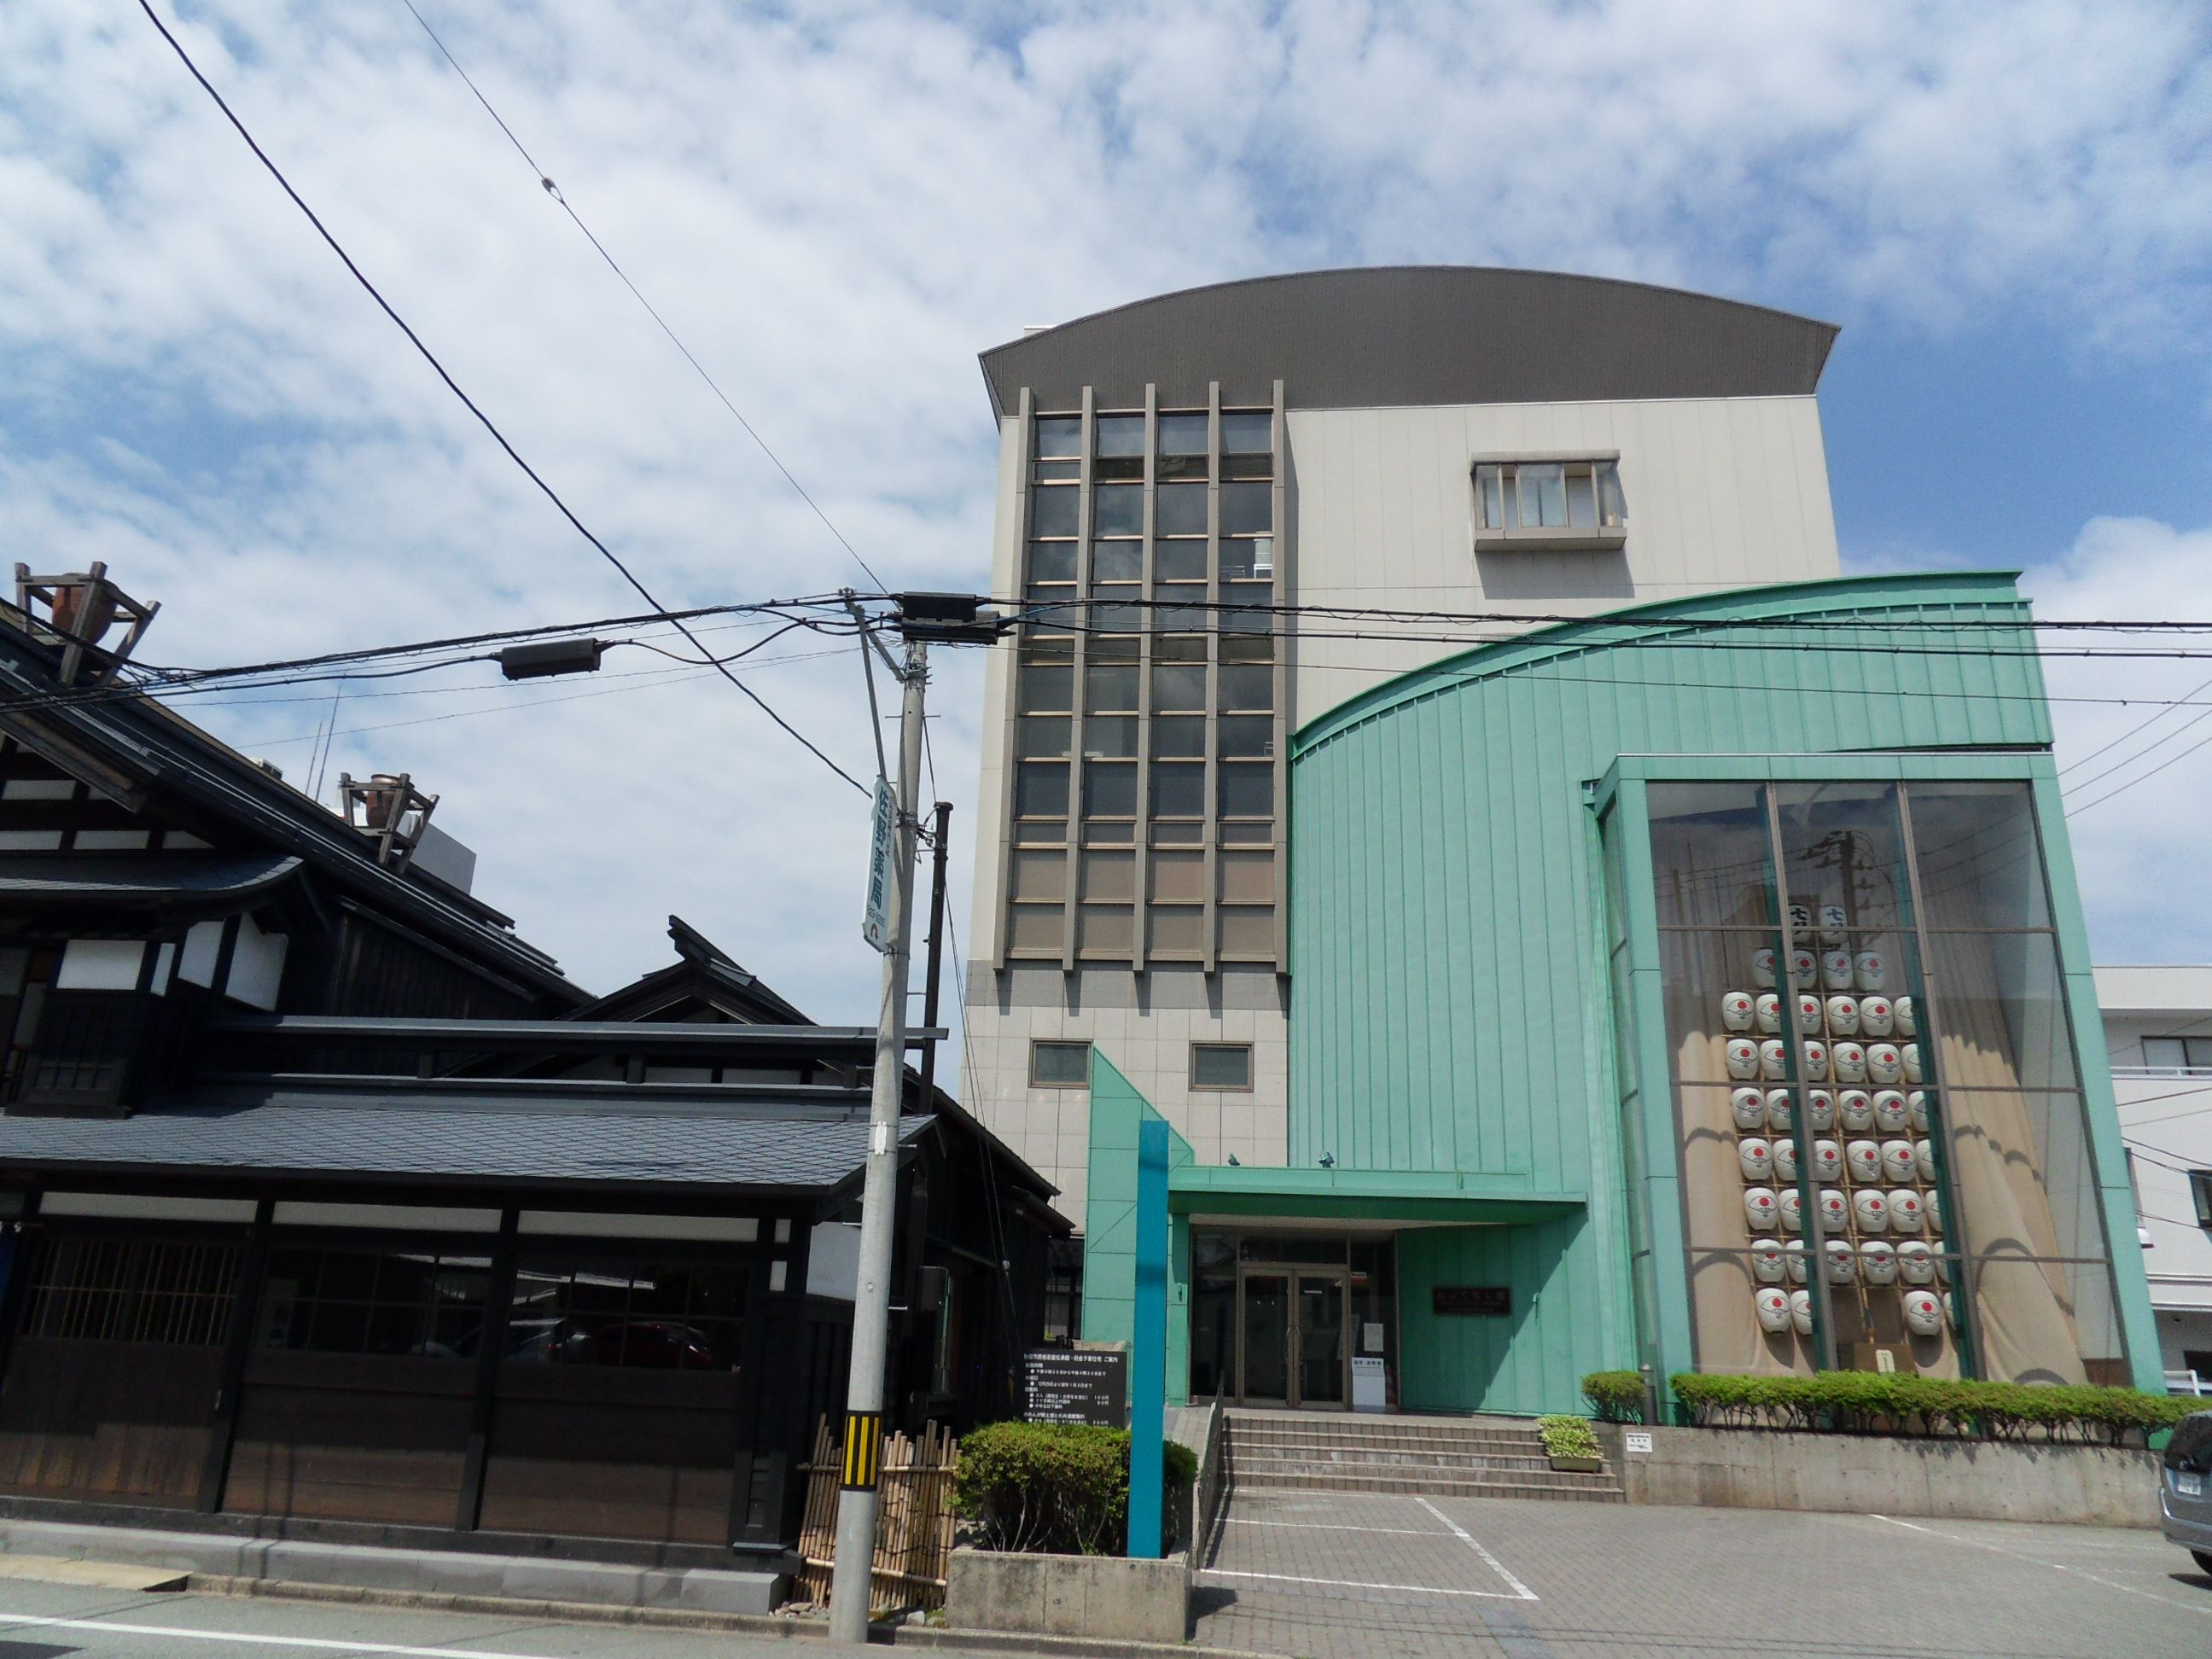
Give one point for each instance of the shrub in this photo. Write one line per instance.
(1054, 1489)
(1867, 1402)
(1567, 1436)
(1617, 1396)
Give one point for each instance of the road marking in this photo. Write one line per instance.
(1467, 1538)
(1349, 1584)
(247, 1638)
(2055, 1566)
(1331, 1526)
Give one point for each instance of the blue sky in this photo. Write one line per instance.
(2005, 206)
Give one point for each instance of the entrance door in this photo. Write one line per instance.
(1291, 1329)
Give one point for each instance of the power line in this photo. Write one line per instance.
(2132, 731)
(546, 183)
(467, 401)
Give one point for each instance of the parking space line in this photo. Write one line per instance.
(1467, 1538)
(2055, 1566)
(1337, 1526)
(1356, 1583)
(248, 1638)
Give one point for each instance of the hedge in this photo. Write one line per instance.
(1054, 1489)
(1867, 1402)
(1617, 1396)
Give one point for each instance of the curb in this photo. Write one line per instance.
(776, 1628)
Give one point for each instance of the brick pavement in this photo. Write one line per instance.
(1334, 1576)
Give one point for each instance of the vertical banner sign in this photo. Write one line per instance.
(876, 926)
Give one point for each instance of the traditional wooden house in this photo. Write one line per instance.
(332, 1207)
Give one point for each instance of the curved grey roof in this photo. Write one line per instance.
(1408, 335)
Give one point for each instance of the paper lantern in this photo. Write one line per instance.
(1820, 1109)
(1785, 1158)
(1755, 1158)
(1906, 1211)
(1848, 1059)
(1835, 1212)
(1863, 1159)
(1942, 1263)
(1816, 1062)
(1935, 1214)
(1842, 1261)
(1889, 1112)
(1878, 1262)
(1875, 1016)
(1836, 970)
(1916, 1110)
(1808, 1014)
(1804, 966)
(1884, 1064)
(1915, 1262)
(1843, 1015)
(1898, 1163)
(1833, 924)
(1827, 1161)
(1908, 1022)
(1911, 1054)
(1801, 923)
(1758, 1208)
(1870, 1210)
(1780, 1108)
(1871, 969)
(1743, 1055)
(1801, 1312)
(1773, 1059)
(1855, 1110)
(1770, 1011)
(1924, 1313)
(1772, 1307)
(1748, 1108)
(1790, 1212)
(1762, 966)
(1736, 1010)
(1923, 1160)
(1766, 1259)
(1793, 1252)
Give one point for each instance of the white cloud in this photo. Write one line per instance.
(837, 206)
(2139, 854)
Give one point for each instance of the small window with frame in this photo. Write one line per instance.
(1059, 1065)
(1221, 1066)
(1564, 501)
(2200, 1189)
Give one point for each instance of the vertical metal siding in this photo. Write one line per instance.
(1452, 1010)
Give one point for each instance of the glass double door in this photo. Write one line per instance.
(1291, 1324)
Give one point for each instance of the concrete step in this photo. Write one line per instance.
(1439, 1444)
(1256, 1458)
(364, 1567)
(1385, 1478)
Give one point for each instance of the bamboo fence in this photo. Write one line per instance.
(913, 1520)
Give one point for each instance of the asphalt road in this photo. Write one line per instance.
(1340, 1576)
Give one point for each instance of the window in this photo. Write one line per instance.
(1220, 1065)
(643, 1315)
(1558, 501)
(131, 1290)
(383, 1302)
(1059, 1065)
(2177, 1053)
(2200, 1189)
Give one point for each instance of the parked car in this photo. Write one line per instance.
(2184, 1494)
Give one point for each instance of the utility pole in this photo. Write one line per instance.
(933, 971)
(872, 1299)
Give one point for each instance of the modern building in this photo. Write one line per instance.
(1566, 925)
(2158, 1028)
(328, 1202)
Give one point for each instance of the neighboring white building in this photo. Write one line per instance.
(1512, 443)
(2158, 1028)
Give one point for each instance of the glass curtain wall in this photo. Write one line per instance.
(1885, 1164)
(1147, 692)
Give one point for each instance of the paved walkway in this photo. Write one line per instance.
(1316, 1576)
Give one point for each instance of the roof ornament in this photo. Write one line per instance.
(79, 609)
(389, 807)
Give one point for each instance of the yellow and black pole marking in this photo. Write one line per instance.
(864, 1450)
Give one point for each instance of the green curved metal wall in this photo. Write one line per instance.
(1447, 923)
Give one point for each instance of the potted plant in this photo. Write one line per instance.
(1570, 1444)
